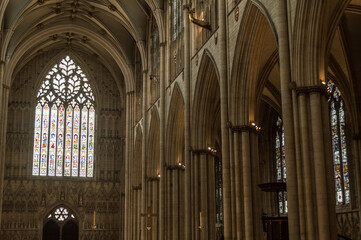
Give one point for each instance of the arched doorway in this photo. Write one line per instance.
(61, 224)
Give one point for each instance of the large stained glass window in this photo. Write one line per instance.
(281, 165)
(338, 133)
(64, 123)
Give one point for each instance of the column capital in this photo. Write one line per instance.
(6, 86)
(312, 89)
(175, 167)
(152, 179)
(203, 152)
(244, 128)
(162, 44)
(130, 92)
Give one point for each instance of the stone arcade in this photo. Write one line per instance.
(180, 119)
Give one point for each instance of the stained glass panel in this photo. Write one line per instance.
(91, 142)
(44, 140)
(83, 148)
(281, 165)
(63, 134)
(60, 146)
(37, 134)
(75, 156)
(339, 145)
(53, 138)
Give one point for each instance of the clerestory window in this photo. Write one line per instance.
(64, 123)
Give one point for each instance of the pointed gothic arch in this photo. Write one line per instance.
(175, 128)
(254, 60)
(64, 128)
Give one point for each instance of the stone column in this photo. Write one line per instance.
(204, 196)
(307, 168)
(317, 165)
(187, 138)
(223, 79)
(323, 216)
(175, 204)
(287, 116)
(238, 184)
(4, 97)
(162, 128)
(247, 185)
(232, 184)
(144, 156)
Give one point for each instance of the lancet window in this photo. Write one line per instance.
(281, 165)
(339, 145)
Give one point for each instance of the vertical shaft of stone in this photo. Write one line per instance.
(300, 178)
(155, 220)
(222, 66)
(187, 137)
(144, 158)
(232, 184)
(247, 185)
(211, 198)
(238, 183)
(287, 115)
(196, 201)
(126, 181)
(175, 207)
(162, 189)
(4, 94)
(319, 168)
(329, 166)
(256, 191)
(170, 206)
(204, 197)
(307, 167)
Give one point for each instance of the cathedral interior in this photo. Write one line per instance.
(180, 119)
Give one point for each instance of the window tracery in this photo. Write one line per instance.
(64, 123)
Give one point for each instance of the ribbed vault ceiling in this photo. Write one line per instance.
(112, 30)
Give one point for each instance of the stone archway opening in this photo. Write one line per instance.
(60, 224)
